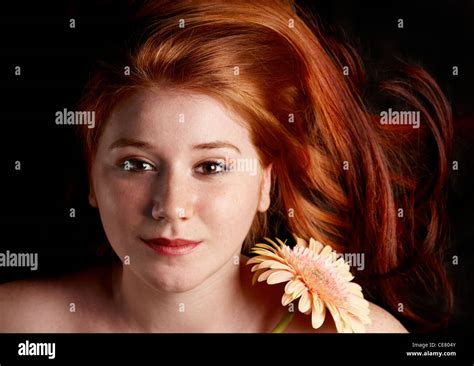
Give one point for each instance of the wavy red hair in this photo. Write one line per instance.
(338, 174)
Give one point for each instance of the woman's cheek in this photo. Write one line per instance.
(121, 203)
(229, 211)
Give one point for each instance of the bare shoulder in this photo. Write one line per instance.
(32, 306)
(56, 304)
(383, 321)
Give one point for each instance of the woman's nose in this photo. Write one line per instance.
(172, 197)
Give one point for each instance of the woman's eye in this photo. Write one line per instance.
(136, 165)
(212, 167)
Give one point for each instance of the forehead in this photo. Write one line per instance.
(168, 114)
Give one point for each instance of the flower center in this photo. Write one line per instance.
(321, 278)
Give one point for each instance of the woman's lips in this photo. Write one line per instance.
(173, 247)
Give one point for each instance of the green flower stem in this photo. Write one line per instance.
(285, 320)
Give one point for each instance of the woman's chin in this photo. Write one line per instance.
(175, 281)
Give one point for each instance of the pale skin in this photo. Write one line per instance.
(167, 186)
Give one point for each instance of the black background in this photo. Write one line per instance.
(56, 61)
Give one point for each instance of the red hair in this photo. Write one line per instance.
(339, 175)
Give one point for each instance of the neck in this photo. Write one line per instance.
(220, 304)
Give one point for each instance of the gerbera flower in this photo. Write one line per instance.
(318, 276)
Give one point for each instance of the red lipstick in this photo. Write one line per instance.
(173, 247)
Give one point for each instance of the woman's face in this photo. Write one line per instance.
(159, 173)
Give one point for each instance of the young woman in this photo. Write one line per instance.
(231, 121)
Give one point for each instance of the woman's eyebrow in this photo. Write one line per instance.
(216, 145)
(126, 142)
